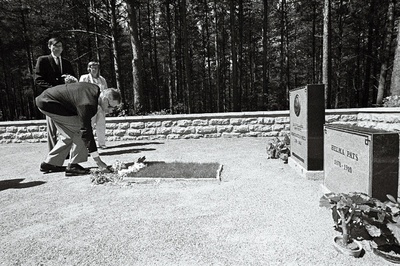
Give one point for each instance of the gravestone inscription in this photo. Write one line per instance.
(358, 159)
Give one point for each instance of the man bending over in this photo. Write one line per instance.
(71, 107)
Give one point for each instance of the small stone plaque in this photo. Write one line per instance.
(307, 117)
(358, 159)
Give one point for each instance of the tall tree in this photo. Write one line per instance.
(217, 42)
(137, 86)
(234, 64)
(29, 62)
(209, 95)
(113, 9)
(186, 56)
(170, 61)
(327, 63)
(96, 29)
(284, 55)
(314, 77)
(395, 81)
(265, 65)
(240, 68)
(369, 54)
(386, 52)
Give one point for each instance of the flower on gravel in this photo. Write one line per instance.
(119, 170)
(131, 169)
(118, 166)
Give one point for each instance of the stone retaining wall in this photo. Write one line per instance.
(194, 126)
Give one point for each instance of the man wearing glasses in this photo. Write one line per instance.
(71, 107)
(50, 71)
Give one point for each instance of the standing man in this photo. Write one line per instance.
(50, 71)
(71, 108)
(99, 120)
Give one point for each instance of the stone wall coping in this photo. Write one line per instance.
(381, 110)
(200, 116)
(214, 116)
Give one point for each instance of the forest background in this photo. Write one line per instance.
(186, 56)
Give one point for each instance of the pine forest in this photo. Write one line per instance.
(205, 56)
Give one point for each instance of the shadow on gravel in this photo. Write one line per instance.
(124, 145)
(106, 153)
(16, 184)
(147, 163)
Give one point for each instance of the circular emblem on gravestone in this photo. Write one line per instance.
(297, 105)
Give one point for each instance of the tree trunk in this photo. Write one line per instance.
(151, 89)
(186, 56)
(395, 82)
(114, 41)
(155, 65)
(386, 53)
(224, 92)
(265, 73)
(78, 62)
(170, 75)
(210, 96)
(217, 61)
(234, 76)
(29, 60)
(368, 61)
(327, 63)
(339, 57)
(252, 62)
(240, 68)
(282, 55)
(96, 36)
(179, 85)
(314, 50)
(356, 78)
(136, 57)
(287, 59)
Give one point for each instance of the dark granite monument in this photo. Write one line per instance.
(358, 159)
(307, 118)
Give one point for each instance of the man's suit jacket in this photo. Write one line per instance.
(75, 99)
(47, 73)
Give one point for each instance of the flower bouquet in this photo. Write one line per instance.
(118, 170)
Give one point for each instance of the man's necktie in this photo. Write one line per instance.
(58, 63)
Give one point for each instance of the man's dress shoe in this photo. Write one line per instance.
(49, 168)
(75, 169)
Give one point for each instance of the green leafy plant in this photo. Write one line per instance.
(361, 217)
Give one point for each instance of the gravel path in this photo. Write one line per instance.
(262, 213)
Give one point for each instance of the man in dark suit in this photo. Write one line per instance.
(49, 72)
(71, 107)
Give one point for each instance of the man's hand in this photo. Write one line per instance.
(102, 165)
(69, 79)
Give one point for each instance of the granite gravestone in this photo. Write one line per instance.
(360, 159)
(307, 118)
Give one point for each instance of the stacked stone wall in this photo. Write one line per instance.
(226, 125)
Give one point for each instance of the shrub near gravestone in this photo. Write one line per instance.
(278, 148)
(392, 101)
(360, 217)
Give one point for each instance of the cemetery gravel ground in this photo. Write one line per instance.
(262, 213)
